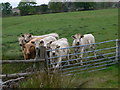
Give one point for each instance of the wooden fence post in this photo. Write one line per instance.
(42, 64)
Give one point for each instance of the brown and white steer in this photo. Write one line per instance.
(27, 37)
(29, 48)
(21, 42)
(29, 51)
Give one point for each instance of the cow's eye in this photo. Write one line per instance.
(33, 42)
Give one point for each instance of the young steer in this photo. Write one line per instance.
(82, 40)
(21, 42)
(61, 43)
(43, 42)
(27, 37)
(33, 41)
(29, 51)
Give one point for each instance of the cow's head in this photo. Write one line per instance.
(48, 44)
(55, 52)
(21, 41)
(27, 37)
(28, 47)
(77, 38)
(38, 43)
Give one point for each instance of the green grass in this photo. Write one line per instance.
(99, 79)
(103, 24)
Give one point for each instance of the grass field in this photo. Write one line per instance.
(99, 79)
(103, 24)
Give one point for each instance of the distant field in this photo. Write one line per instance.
(101, 23)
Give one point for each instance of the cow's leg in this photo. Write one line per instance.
(59, 62)
(75, 51)
(37, 54)
(82, 50)
(94, 47)
(68, 57)
(76, 56)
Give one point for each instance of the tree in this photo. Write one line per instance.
(43, 8)
(6, 9)
(27, 8)
(55, 6)
(85, 5)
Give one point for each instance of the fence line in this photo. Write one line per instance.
(15, 75)
(109, 58)
(83, 52)
(84, 58)
(86, 62)
(45, 59)
(82, 45)
(12, 80)
(90, 68)
(86, 71)
(21, 61)
(88, 65)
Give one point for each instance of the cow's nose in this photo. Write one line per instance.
(28, 53)
(20, 44)
(37, 48)
(26, 41)
(53, 54)
(78, 43)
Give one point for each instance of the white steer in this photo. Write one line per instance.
(61, 43)
(27, 37)
(83, 40)
(43, 42)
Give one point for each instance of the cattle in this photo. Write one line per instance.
(27, 37)
(61, 43)
(21, 42)
(29, 51)
(33, 42)
(82, 40)
(43, 42)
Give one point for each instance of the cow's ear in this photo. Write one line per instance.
(22, 35)
(50, 42)
(30, 35)
(41, 42)
(73, 37)
(82, 36)
(33, 42)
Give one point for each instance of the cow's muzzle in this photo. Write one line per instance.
(20, 44)
(53, 54)
(78, 43)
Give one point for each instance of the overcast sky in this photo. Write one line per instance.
(15, 3)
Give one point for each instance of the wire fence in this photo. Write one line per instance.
(89, 62)
(71, 62)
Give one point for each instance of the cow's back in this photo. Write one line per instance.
(88, 39)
